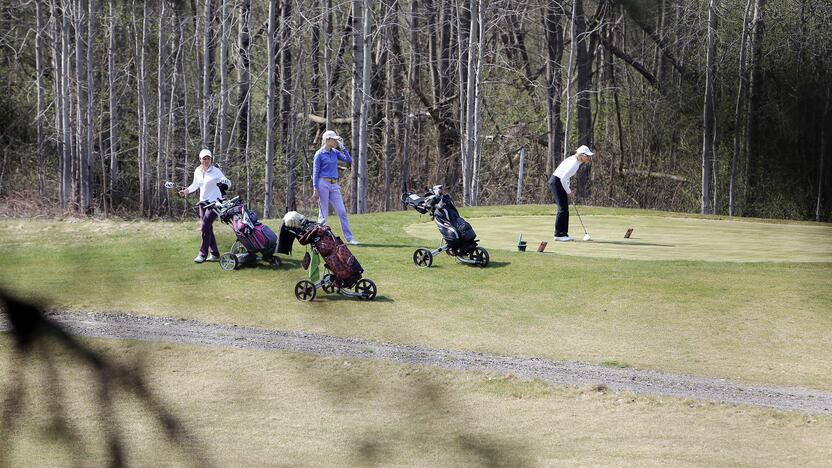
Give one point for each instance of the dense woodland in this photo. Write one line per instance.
(712, 106)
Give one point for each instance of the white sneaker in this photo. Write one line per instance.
(199, 259)
(352, 242)
(212, 258)
(564, 239)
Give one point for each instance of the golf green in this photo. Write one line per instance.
(656, 238)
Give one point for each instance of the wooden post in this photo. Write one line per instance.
(520, 173)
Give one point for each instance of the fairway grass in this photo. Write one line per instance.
(754, 321)
(658, 238)
(250, 408)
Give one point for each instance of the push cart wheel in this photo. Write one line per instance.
(480, 255)
(422, 258)
(238, 248)
(327, 284)
(366, 288)
(275, 262)
(305, 290)
(229, 262)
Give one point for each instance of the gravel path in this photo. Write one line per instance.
(174, 330)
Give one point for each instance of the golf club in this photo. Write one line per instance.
(587, 237)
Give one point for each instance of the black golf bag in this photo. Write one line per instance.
(455, 231)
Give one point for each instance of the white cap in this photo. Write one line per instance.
(583, 149)
(329, 134)
(205, 152)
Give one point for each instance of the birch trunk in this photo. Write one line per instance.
(270, 102)
(207, 71)
(112, 101)
(39, 77)
(365, 108)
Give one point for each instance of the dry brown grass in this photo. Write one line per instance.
(255, 408)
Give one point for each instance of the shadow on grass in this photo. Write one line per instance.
(335, 297)
(39, 340)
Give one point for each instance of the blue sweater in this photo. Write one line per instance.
(325, 164)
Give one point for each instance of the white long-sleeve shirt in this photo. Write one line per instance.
(566, 169)
(206, 182)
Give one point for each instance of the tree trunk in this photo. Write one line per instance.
(286, 102)
(223, 117)
(39, 77)
(144, 196)
(207, 71)
(326, 15)
(708, 117)
(478, 98)
(92, 19)
(365, 109)
(83, 135)
(554, 56)
(161, 200)
(757, 34)
(583, 104)
(357, 87)
(112, 101)
(244, 94)
(270, 107)
(470, 103)
(742, 79)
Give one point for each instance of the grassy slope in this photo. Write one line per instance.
(253, 408)
(760, 322)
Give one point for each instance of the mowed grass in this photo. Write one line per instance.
(250, 408)
(755, 321)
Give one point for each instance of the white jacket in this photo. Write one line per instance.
(206, 182)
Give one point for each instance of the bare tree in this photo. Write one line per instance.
(757, 34)
(553, 16)
(223, 114)
(363, 141)
(160, 103)
(286, 116)
(112, 100)
(39, 78)
(244, 90)
(709, 122)
(742, 79)
(207, 70)
(270, 105)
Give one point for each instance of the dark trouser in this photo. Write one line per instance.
(206, 226)
(562, 200)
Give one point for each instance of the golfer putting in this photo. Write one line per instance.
(559, 186)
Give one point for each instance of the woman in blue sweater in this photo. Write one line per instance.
(325, 181)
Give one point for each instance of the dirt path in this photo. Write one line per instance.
(174, 330)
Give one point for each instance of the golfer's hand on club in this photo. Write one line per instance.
(315, 196)
(183, 193)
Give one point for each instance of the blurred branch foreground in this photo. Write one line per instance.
(40, 340)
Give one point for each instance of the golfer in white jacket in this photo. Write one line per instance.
(559, 186)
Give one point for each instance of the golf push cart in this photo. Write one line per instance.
(255, 241)
(458, 237)
(344, 275)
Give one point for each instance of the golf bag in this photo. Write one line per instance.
(338, 259)
(254, 239)
(456, 232)
(255, 236)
